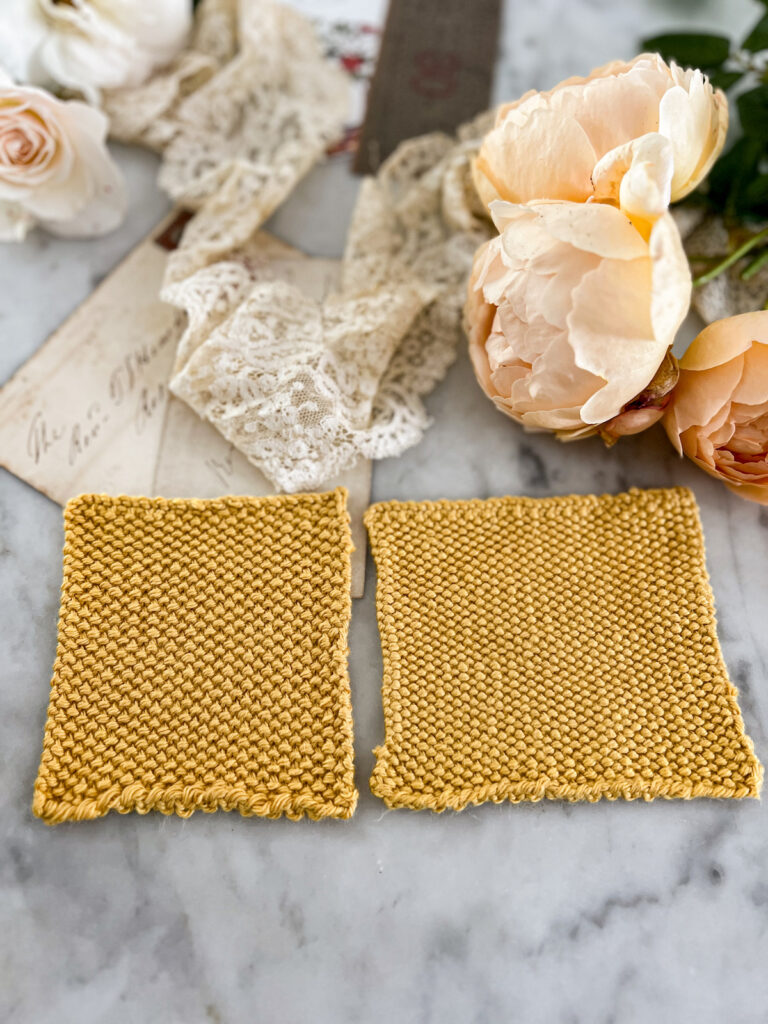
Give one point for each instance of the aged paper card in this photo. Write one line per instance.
(90, 411)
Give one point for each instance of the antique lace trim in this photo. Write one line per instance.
(148, 113)
(305, 387)
(240, 117)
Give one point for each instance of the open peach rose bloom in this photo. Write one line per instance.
(642, 134)
(571, 313)
(573, 309)
(718, 416)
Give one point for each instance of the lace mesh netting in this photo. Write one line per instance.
(303, 387)
(240, 117)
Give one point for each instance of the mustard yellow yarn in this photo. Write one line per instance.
(562, 647)
(201, 660)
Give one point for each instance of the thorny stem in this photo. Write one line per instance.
(735, 256)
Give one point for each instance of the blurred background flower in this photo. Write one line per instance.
(90, 45)
(55, 169)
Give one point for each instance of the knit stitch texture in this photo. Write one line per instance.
(561, 647)
(202, 659)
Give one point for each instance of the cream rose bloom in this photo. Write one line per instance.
(55, 169)
(90, 45)
(571, 314)
(640, 134)
(718, 415)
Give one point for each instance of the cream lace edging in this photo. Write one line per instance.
(303, 387)
(240, 116)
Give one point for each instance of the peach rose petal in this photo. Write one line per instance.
(551, 158)
(655, 125)
(611, 335)
(722, 340)
(593, 228)
(637, 177)
(719, 412)
(648, 407)
(690, 114)
(671, 284)
(698, 401)
(752, 492)
(752, 389)
(571, 314)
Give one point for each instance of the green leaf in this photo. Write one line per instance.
(755, 196)
(753, 112)
(731, 175)
(758, 37)
(725, 79)
(699, 50)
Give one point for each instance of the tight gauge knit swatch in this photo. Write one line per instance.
(202, 659)
(557, 647)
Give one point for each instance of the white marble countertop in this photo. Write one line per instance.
(534, 913)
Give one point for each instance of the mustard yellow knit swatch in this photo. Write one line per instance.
(202, 659)
(561, 647)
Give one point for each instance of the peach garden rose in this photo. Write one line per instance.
(718, 415)
(571, 314)
(55, 169)
(642, 134)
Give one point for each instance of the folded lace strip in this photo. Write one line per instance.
(291, 381)
(303, 388)
(240, 117)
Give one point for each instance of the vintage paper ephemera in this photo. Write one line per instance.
(90, 411)
(85, 413)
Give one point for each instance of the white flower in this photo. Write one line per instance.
(55, 169)
(90, 45)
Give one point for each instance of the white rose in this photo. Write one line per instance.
(90, 45)
(55, 169)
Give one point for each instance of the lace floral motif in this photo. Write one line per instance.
(291, 381)
(240, 116)
(148, 113)
(305, 387)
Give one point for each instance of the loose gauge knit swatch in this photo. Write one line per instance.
(202, 659)
(562, 647)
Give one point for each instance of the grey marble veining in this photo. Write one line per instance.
(580, 914)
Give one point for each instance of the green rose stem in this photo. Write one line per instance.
(736, 255)
(755, 266)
